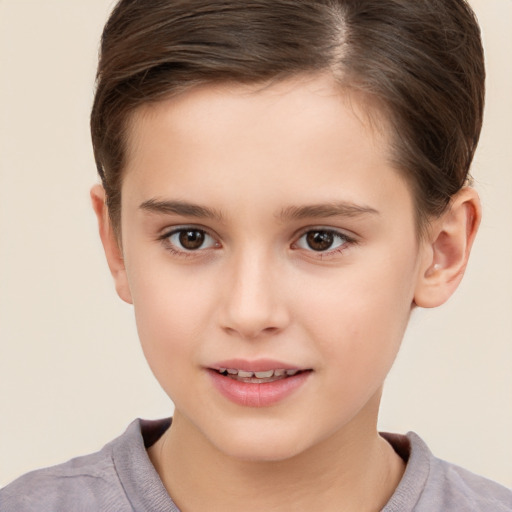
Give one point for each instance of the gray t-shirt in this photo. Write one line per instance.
(121, 478)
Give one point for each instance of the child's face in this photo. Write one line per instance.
(274, 236)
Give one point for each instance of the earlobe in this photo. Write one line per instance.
(446, 252)
(113, 251)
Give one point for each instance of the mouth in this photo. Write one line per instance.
(257, 383)
(259, 377)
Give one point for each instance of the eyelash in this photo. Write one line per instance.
(346, 241)
(183, 252)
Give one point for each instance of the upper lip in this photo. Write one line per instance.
(258, 365)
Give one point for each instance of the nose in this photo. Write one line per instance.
(254, 304)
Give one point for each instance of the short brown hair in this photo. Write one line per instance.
(422, 60)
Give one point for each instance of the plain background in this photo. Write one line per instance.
(72, 375)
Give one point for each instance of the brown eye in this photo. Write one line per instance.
(190, 239)
(320, 240)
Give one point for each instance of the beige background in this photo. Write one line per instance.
(71, 372)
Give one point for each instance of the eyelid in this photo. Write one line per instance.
(169, 231)
(350, 240)
(349, 235)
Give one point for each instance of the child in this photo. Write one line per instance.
(282, 183)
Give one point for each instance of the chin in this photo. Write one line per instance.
(263, 444)
(256, 452)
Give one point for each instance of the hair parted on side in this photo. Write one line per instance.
(421, 60)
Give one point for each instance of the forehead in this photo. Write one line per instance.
(288, 102)
(294, 138)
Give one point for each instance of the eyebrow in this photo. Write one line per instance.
(324, 210)
(335, 209)
(183, 208)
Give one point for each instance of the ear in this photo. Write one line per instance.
(111, 245)
(447, 248)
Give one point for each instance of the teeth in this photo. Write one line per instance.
(263, 375)
(267, 374)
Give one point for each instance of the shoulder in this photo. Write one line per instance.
(430, 484)
(452, 485)
(80, 484)
(83, 484)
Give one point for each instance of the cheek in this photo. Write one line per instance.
(359, 316)
(172, 313)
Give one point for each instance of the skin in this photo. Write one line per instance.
(255, 289)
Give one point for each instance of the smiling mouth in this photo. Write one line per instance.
(258, 377)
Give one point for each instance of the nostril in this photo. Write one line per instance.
(248, 331)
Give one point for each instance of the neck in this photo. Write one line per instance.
(352, 470)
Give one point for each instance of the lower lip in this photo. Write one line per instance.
(251, 394)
